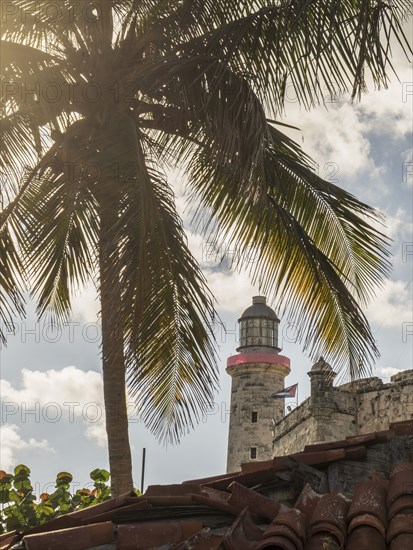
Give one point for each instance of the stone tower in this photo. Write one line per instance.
(257, 371)
(322, 403)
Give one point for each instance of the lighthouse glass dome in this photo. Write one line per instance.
(258, 327)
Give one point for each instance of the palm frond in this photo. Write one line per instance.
(32, 23)
(317, 48)
(236, 172)
(60, 28)
(11, 295)
(60, 238)
(168, 310)
(14, 221)
(312, 249)
(200, 100)
(335, 220)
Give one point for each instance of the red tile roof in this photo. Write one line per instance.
(355, 494)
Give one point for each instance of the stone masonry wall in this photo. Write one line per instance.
(380, 407)
(294, 431)
(252, 384)
(356, 408)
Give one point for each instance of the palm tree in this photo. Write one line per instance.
(100, 98)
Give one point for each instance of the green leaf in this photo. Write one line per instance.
(83, 492)
(6, 481)
(13, 523)
(23, 485)
(4, 495)
(100, 475)
(22, 471)
(63, 478)
(45, 510)
(14, 496)
(65, 508)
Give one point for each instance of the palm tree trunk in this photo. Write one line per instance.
(114, 372)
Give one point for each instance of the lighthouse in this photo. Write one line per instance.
(257, 371)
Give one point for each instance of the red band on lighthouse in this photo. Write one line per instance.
(270, 358)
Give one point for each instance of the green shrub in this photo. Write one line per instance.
(20, 509)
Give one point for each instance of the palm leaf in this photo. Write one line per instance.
(168, 311)
(313, 250)
(11, 296)
(318, 47)
(14, 221)
(60, 238)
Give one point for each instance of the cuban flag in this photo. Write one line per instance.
(286, 392)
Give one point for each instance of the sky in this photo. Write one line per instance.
(51, 387)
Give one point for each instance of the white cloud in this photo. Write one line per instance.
(407, 155)
(392, 306)
(344, 133)
(197, 244)
(61, 396)
(85, 304)
(387, 372)
(407, 168)
(232, 290)
(68, 384)
(389, 111)
(336, 139)
(397, 226)
(11, 441)
(96, 432)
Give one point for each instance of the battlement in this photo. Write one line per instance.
(332, 412)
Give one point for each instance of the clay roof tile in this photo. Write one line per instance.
(307, 501)
(404, 427)
(75, 538)
(313, 458)
(401, 482)
(367, 520)
(330, 517)
(366, 536)
(290, 525)
(7, 539)
(402, 541)
(369, 498)
(203, 540)
(257, 504)
(400, 504)
(172, 490)
(244, 534)
(154, 534)
(400, 524)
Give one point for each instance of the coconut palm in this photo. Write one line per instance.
(101, 99)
